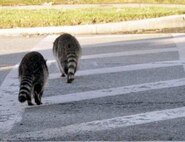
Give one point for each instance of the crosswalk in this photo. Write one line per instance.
(116, 84)
(106, 124)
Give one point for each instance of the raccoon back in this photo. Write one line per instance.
(32, 63)
(64, 45)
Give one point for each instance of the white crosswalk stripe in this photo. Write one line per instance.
(14, 110)
(51, 60)
(106, 124)
(114, 91)
(123, 68)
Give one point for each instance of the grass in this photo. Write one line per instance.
(34, 2)
(52, 17)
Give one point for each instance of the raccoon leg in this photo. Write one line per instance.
(62, 72)
(38, 98)
(38, 94)
(28, 97)
(61, 69)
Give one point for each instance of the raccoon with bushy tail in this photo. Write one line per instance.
(33, 75)
(67, 52)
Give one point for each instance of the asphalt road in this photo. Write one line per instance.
(128, 87)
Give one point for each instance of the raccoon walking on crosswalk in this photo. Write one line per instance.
(67, 52)
(33, 75)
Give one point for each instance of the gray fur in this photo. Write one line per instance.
(33, 75)
(67, 52)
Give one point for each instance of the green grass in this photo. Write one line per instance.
(33, 2)
(53, 17)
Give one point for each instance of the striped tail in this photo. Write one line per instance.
(72, 66)
(25, 89)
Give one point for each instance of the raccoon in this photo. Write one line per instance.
(33, 75)
(67, 52)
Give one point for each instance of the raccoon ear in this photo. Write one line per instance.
(45, 60)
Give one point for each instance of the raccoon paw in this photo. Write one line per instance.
(30, 104)
(63, 75)
(38, 102)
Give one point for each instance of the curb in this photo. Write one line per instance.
(176, 21)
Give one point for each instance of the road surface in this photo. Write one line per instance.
(128, 87)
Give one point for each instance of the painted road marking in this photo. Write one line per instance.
(129, 53)
(123, 68)
(106, 124)
(114, 91)
(118, 54)
(7, 68)
(86, 41)
(179, 40)
(50, 58)
(109, 40)
(10, 110)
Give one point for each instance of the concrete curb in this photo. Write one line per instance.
(176, 21)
